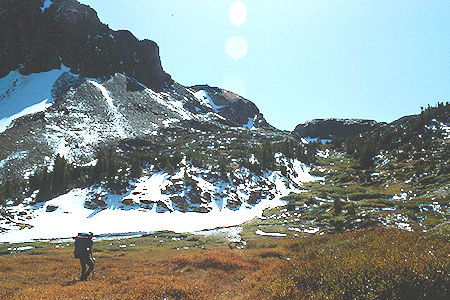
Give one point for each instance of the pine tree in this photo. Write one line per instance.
(166, 164)
(99, 170)
(44, 186)
(311, 151)
(59, 176)
(265, 156)
(136, 165)
(365, 157)
(300, 153)
(351, 209)
(112, 165)
(337, 204)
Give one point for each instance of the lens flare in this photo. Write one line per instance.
(236, 47)
(238, 13)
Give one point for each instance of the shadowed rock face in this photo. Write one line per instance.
(327, 128)
(36, 40)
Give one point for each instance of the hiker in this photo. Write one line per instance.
(83, 251)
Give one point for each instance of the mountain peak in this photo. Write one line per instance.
(39, 36)
(231, 106)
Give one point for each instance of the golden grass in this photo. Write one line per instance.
(375, 264)
(380, 264)
(151, 275)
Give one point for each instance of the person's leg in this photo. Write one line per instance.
(90, 263)
(83, 268)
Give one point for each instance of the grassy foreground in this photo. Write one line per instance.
(386, 264)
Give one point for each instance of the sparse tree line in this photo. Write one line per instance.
(114, 168)
(264, 154)
(110, 168)
(406, 139)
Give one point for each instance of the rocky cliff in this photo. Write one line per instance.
(38, 36)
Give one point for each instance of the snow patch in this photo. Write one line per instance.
(204, 98)
(308, 140)
(172, 104)
(323, 154)
(47, 4)
(14, 156)
(137, 209)
(232, 234)
(250, 123)
(260, 232)
(22, 95)
(311, 230)
(119, 120)
(72, 217)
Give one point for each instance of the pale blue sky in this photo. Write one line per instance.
(306, 59)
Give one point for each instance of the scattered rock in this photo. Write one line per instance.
(51, 208)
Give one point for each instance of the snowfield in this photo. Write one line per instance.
(26, 94)
(64, 216)
(119, 122)
(71, 217)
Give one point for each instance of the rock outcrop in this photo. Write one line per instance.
(231, 106)
(329, 128)
(36, 39)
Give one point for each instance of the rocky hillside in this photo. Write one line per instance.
(394, 176)
(418, 143)
(229, 174)
(331, 128)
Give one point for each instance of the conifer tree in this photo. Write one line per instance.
(365, 157)
(59, 176)
(112, 164)
(44, 185)
(337, 204)
(265, 156)
(99, 170)
(311, 151)
(136, 165)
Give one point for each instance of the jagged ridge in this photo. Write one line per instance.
(38, 40)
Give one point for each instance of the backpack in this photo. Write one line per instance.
(83, 244)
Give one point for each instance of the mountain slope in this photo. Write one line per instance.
(93, 127)
(89, 87)
(228, 174)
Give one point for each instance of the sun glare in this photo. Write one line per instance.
(238, 13)
(236, 47)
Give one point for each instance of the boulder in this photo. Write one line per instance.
(51, 208)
